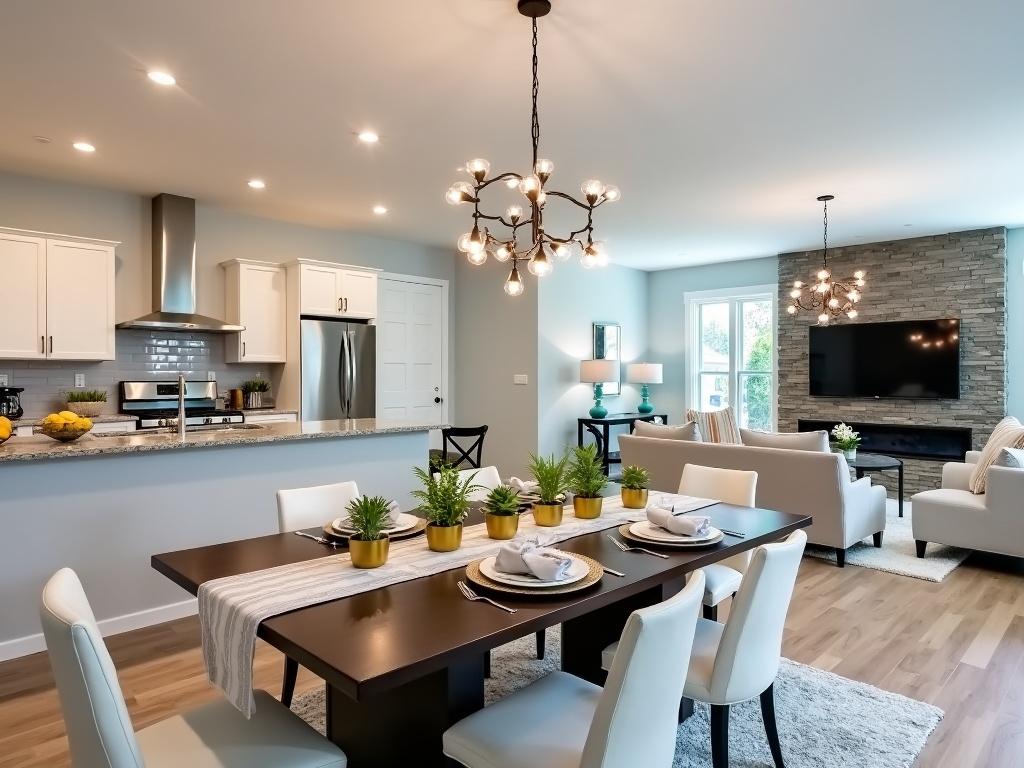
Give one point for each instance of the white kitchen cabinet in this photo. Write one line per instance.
(255, 417)
(256, 297)
(333, 290)
(61, 305)
(358, 294)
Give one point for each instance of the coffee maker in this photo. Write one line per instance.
(10, 402)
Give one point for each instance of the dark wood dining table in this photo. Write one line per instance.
(404, 662)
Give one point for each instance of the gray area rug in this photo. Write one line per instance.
(898, 553)
(824, 719)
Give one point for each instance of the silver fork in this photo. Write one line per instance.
(469, 594)
(317, 539)
(625, 548)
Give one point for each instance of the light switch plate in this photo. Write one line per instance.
(3, 379)
(211, 375)
(520, 378)
(79, 379)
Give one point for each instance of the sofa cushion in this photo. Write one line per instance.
(716, 426)
(687, 431)
(1010, 457)
(797, 441)
(1008, 434)
(950, 499)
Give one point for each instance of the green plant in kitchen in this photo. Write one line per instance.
(550, 474)
(586, 475)
(253, 391)
(444, 500)
(502, 500)
(368, 545)
(635, 478)
(85, 396)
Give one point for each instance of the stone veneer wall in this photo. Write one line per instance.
(961, 274)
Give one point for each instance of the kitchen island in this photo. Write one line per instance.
(105, 504)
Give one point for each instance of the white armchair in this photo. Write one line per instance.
(990, 522)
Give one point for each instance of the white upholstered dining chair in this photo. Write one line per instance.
(561, 721)
(487, 478)
(100, 731)
(733, 486)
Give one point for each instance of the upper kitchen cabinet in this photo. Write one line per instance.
(335, 290)
(256, 297)
(61, 306)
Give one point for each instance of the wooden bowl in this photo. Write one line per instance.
(63, 435)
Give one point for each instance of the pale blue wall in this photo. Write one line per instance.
(1015, 321)
(666, 340)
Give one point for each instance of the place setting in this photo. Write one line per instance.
(402, 525)
(673, 526)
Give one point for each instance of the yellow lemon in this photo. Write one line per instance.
(69, 415)
(83, 423)
(54, 420)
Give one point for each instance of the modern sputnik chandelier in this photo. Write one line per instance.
(829, 297)
(542, 247)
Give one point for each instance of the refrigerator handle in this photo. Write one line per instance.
(343, 394)
(351, 370)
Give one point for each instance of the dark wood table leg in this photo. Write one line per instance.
(899, 471)
(859, 472)
(403, 726)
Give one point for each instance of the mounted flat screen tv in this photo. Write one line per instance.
(915, 359)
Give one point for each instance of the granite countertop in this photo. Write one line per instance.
(42, 447)
(35, 421)
(269, 411)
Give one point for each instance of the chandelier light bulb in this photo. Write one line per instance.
(514, 283)
(503, 252)
(860, 282)
(478, 168)
(511, 182)
(853, 295)
(592, 189)
(514, 213)
(589, 258)
(476, 241)
(477, 257)
(833, 302)
(791, 309)
(795, 293)
(601, 253)
(859, 274)
(821, 287)
(542, 198)
(539, 265)
(543, 168)
(459, 192)
(852, 314)
(463, 243)
(798, 284)
(612, 193)
(561, 251)
(822, 319)
(530, 186)
(823, 275)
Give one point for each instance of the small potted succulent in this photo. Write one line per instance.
(845, 440)
(501, 512)
(445, 504)
(253, 391)
(86, 402)
(550, 474)
(586, 480)
(635, 481)
(368, 545)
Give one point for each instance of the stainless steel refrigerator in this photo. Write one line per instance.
(339, 370)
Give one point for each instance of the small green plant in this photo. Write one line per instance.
(550, 474)
(635, 478)
(502, 500)
(586, 477)
(255, 385)
(85, 396)
(369, 516)
(444, 495)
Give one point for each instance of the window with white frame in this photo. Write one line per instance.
(731, 353)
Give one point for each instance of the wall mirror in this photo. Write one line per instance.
(607, 346)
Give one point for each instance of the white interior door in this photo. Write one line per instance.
(410, 351)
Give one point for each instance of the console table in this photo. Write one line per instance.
(601, 430)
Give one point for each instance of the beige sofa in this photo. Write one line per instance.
(801, 482)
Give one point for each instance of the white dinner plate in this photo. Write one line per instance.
(577, 571)
(645, 529)
(405, 522)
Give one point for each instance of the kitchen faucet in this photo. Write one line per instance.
(181, 405)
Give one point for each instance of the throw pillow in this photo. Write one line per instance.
(794, 441)
(1008, 434)
(687, 431)
(1011, 457)
(716, 426)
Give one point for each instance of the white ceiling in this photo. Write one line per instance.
(720, 121)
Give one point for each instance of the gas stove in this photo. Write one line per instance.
(155, 405)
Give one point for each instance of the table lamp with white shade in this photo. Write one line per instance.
(597, 372)
(644, 374)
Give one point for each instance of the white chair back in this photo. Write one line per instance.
(748, 654)
(733, 486)
(311, 507)
(637, 716)
(100, 732)
(486, 477)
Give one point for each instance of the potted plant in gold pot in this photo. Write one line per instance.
(368, 545)
(444, 500)
(634, 487)
(501, 512)
(549, 473)
(586, 480)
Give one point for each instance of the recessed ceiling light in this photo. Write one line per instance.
(161, 78)
(380, 210)
(368, 137)
(257, 184)
(84, 146)
(43, 139)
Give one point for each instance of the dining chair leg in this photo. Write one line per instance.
(770, 729)
(711, 612)
(540, 644)
(720, 736)
(291, 671)
(487, 663)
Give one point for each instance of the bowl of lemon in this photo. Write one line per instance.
(6, 429)
(65, 426)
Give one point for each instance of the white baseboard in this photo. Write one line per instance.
(23, 646)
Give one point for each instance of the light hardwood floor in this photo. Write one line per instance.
(958, 645)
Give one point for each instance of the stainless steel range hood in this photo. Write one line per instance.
(174, 271)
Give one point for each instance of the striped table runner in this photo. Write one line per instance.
(231, 608)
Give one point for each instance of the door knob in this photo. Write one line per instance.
(437, 399)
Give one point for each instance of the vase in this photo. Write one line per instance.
(501, 526)
(253, 399)
(850, 453)
(634, 498)
(368, 554)
(547, 515)
(587, 508)
(444, 538)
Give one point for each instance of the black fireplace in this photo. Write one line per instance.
(901, 440)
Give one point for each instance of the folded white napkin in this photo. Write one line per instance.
(523, 486)
(394, 513)
(683, 525)
(529, 557)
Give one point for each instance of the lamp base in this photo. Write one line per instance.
(598, 411)
(645, 400)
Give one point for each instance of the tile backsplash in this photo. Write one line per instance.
(140, 355)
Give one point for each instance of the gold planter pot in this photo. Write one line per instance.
(634, 498)
(369, 554)
(444, 538)
(587, 508)
(501, 526)
(547, 515)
